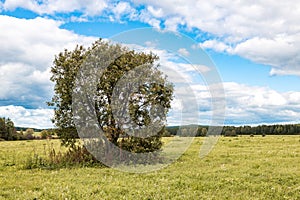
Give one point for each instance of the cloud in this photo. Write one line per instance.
(33, 118)
(22, 84)
(121, 9)
(35, 41)
(281, 52)
(26, 55)
(172, 23)
(145, 16)
(183, 52)
(156, 12)
(90, 8)
(215, 45)
(256, 105)
(245, 104)
(263, 31)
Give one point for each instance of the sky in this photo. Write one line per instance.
(254, 48)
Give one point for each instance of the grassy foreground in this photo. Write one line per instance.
(237, 168)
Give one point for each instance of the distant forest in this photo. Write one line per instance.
(289, 129)
(34, 129)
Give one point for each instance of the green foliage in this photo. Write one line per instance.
(45, 134)
(29, 134)
(66, 65)
(77, 156)
(35, 161)
(202, 131)
(8, 130)
(140, 145)
(29, 131)
(141, 103)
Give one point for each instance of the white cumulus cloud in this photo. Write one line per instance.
(33, 118)
(88, 7)
(255, 105)
(245, 104)
(183, 52)
(27, 51)
(262, 31)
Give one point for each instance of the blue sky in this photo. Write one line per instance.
(255, 48)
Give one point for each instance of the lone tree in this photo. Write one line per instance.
(142, 103)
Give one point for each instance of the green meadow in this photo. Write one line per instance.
(237, 168)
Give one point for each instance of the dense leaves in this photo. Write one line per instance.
(144, 103)
(7, 130)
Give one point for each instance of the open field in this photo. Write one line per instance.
(238, 168)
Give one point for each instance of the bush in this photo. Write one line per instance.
(29, 131)
(45, 134)
(78, 156)
(29, 136)
(229, 133)
(35, 161)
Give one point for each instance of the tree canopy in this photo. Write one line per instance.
(131, 93)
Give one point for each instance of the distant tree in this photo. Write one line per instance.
(173, 129)
(292, 130)
(44, 134)
(7, 129)
(12, 133)
(21, 135)
(231, 133)
(64, 71)
(203, 132)
(29, 131)
(166, 133)
(29, 134)
(3, 130)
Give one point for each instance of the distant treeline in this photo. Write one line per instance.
(289, 129)
(34, 129)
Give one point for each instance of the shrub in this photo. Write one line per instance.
(29, 136)
(77, 156)
(29, 131)
(44, 134)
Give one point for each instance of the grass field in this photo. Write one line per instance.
(237, 168)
